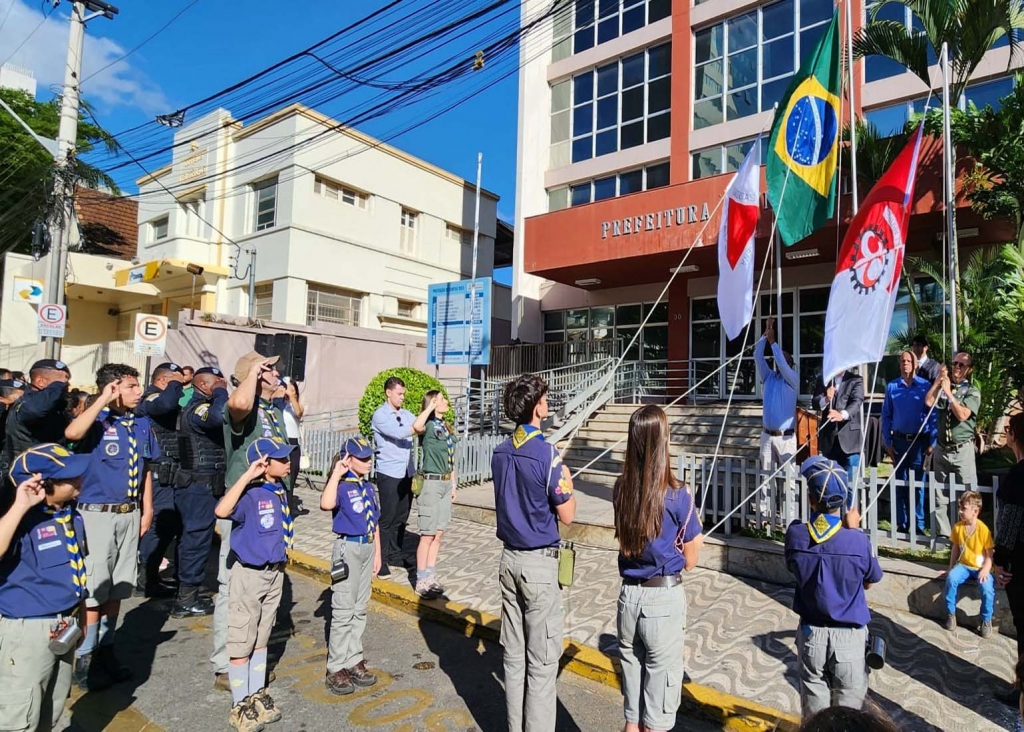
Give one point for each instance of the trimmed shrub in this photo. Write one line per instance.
(417, 384)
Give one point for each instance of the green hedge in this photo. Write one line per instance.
(417, 384)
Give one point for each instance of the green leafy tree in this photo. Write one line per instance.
(969, 28)
(875, 152)
(26, 169)
(417, 384)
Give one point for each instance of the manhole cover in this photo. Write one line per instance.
(424, 665)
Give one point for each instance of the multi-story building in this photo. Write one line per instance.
(633, 115)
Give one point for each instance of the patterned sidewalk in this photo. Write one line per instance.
(741, 633)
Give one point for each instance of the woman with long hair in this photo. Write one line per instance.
(659, 536)
(1008, 560)
(434, 503)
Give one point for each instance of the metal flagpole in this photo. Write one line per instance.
(853, 107)
(950, 202)
(472, 301)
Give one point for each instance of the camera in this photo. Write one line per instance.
(339, 571)
(65, 640)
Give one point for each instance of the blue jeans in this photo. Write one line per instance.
(960, 574)
(913, 460)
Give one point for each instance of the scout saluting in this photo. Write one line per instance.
(42, 587)
(355, 559)
(261, 534)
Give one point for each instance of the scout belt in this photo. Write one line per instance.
(437, 476)
(668, 581)
(780, 433)
(126, 507)
(546, 551)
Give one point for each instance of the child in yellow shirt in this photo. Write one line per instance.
(971, 558)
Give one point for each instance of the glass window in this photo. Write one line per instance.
(814, 300)
(887, 120)
(631, 182)
(558, 198)
(159, 228)
(655, 347)
(629, 314)
(660, 312)
(576, 319)
(407, 241)
(599, 21)
(989, 93)
(604, 188)
(657, 176)
(707, 163)
(554, 320)
(264, 296)
(265, 193)
(706, 339)
(332, 305)
(580, 194)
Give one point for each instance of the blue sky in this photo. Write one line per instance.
(216, 43)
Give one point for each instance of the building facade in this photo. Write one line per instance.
(633, 116)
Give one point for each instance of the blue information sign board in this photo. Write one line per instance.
(459, 322)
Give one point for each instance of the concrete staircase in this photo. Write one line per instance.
(694, 429)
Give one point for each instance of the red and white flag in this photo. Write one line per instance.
(868, 269)
(736, 244)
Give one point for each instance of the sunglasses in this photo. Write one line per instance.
(961, 364)
(399, 418)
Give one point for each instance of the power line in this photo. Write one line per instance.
(7, 14)
(46, 16)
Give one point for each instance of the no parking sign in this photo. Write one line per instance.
(51, 321)
(150, 335)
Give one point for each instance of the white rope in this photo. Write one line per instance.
(896, 466)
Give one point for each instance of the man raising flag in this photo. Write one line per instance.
(868, 269)
(736, 245)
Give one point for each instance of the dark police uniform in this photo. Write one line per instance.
(41, 589)
(200, 482)
(356, 521)
(652, 617)
(831, 564)
(161, 407)
(528, 486)
(7, 387)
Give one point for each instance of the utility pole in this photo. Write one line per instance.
(64, 172)
(252, 283)
(472, 303)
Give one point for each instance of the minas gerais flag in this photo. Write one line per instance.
(803, 150)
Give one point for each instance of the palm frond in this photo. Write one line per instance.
(892, 40)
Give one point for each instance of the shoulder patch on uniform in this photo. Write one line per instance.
(153, 397)
(203, 411)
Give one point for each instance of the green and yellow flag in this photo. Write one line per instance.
(803, 151)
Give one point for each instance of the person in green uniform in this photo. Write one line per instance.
(187, 373)
(434, 504)
(954, 452)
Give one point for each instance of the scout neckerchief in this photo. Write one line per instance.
(449, 442)
(286, 515)
(823, 527)
(267, 407)
(65, 518)
(523, 434)
(128, 422)
(371, 525)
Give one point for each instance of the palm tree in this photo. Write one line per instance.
(969, 27)
(875, 151)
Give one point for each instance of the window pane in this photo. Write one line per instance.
(632, 135)
(771, 94)
(580, 194)
(769, 302)
(582, 40)
(582, 88)
(607, 112)
(888, 121)
(815, 11)
(658, 128)
(777, 19)
(778, 58)
(706, 339)
(810, 372)
(659, 61)
(583, 120)
(631, 182)
(633, 104)
(584, 13)
(582, 149)
(606, 141)
(704, 309)
(706, 163)
(554, 336)
(560, 94)
(558, 198)
(879, 67)
(655, 343)
(560, 127)
(658, 9)
(708, 80)
(657, 176)
(734, 346)
(608, 29)
(625, 336)
(607, 8)
(742, 104)
(632, 71)
(812, 333)
(815, 300)
(576, 318)
(607, 80)
(659, 95)
(604, 188)
(603, 317)
(660, 312)
(633, 19)
(743, 69)
(707, 112)
(708, 44)
(809, 38)
(742, 31)
(989, 94)
(628, 314)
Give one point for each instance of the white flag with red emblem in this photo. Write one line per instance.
(868, 269)
(736, 244)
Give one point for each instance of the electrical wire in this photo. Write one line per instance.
(46, 16)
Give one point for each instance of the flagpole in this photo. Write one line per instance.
(947, 175)
(853, 106)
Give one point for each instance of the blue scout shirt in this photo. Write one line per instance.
(257, 526)
(904, 410)
(36, 579)
(527, 486)
(355, 509)
(106, 480)
(830, 573)
(663, 555)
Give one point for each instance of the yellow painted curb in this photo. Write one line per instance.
(732, 712)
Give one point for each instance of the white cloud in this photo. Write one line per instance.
(45, 53)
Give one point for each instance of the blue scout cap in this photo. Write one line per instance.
(267, 447)
(50, 460)
(209, 370)
(357, 447)
(826, 481)
(51, 364)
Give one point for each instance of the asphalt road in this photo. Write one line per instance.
(430, 677)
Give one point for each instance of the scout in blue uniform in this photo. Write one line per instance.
(114, 488)
(532, 493)
(353, 503)
(160, 404)
(261, 534)
(42, 587)
(833, 565)
(659, 535)
(200, 483)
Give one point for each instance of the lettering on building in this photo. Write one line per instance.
(194, 166)
(656, 220)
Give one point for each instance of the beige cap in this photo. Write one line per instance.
(245, 365)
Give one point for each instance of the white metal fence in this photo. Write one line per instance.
(731, 480)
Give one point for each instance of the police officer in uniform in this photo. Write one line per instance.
(200, 484)
(532, 493)
(160, 404)
(40, 415)
(10, 392)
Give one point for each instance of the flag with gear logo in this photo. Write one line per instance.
(803, 150)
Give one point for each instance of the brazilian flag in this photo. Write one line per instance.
(803, 150)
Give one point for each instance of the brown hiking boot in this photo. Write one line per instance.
(361, 676)
(266, 709)
(244, 717)
(340, 683)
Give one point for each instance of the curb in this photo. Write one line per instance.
(732, 712)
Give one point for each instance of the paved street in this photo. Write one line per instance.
(431, 677)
